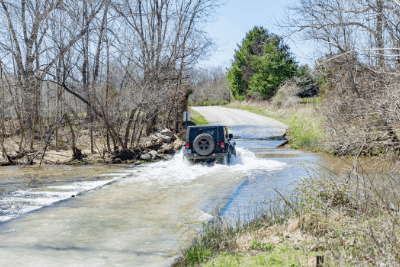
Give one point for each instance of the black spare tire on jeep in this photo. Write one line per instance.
(204, 144)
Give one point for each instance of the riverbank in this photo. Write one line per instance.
(304, 121)
(337, 220)
(158, 146)
(196, 118)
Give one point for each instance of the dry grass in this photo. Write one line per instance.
(352, 219)
(267, 108)
(306, 228)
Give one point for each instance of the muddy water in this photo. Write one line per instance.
(132, 215)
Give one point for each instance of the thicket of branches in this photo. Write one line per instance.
(115, 68)
(209, 84)
(358, 41)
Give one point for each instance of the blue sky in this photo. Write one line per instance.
(237, 17)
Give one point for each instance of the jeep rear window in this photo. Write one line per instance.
(209, 131)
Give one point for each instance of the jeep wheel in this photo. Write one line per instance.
(204, 144)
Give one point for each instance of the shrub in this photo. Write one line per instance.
(287, 94)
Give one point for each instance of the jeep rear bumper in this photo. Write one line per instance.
(190, 155)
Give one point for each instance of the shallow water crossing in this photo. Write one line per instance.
(138, 215)
(132, 215)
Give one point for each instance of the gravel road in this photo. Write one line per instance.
(243, 124)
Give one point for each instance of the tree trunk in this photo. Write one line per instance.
(379, 33)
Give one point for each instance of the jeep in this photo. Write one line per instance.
(209, 143)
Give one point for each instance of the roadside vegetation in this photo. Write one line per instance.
(211, 103)
(197, 119)
(346, 105)
(305, 125)
(342, 220)
(302, 115)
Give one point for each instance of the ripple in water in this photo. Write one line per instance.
(164, 173)
(24, 201)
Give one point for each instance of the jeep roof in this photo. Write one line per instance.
(220, 132)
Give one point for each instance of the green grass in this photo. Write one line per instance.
(304, 131)
(211, 103)
(279, 256)
(197, 119)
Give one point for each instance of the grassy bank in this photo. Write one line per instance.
(305, 124)
(210, 103)
(342, 221)
(197, 119)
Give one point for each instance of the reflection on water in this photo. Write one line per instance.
(140, 219)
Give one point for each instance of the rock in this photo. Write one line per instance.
(166, 139)
(182, 135)
(157, 139)
(178, 144)
(167, 132)
(163, 138)
(152, 145)
(174, 137)
(147, 143)
(168, 157)
(125, 155)
(154, 138)
(146, 156)
(158, 157)
(116, 160)
(153, 153)
(166, 149)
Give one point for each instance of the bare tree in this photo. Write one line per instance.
(114, 70)
(358, 64)
(365, 28)
(209, 85)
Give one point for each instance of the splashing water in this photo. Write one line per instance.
(164, 174)
(179, 169)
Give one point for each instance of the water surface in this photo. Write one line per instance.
(132, 215)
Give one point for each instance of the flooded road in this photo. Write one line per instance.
(134, 215)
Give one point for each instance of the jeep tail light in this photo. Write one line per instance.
(223, 145)
(187, 145)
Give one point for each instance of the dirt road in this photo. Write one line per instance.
(243, 123)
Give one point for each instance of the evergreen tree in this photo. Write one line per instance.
(261, 63)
